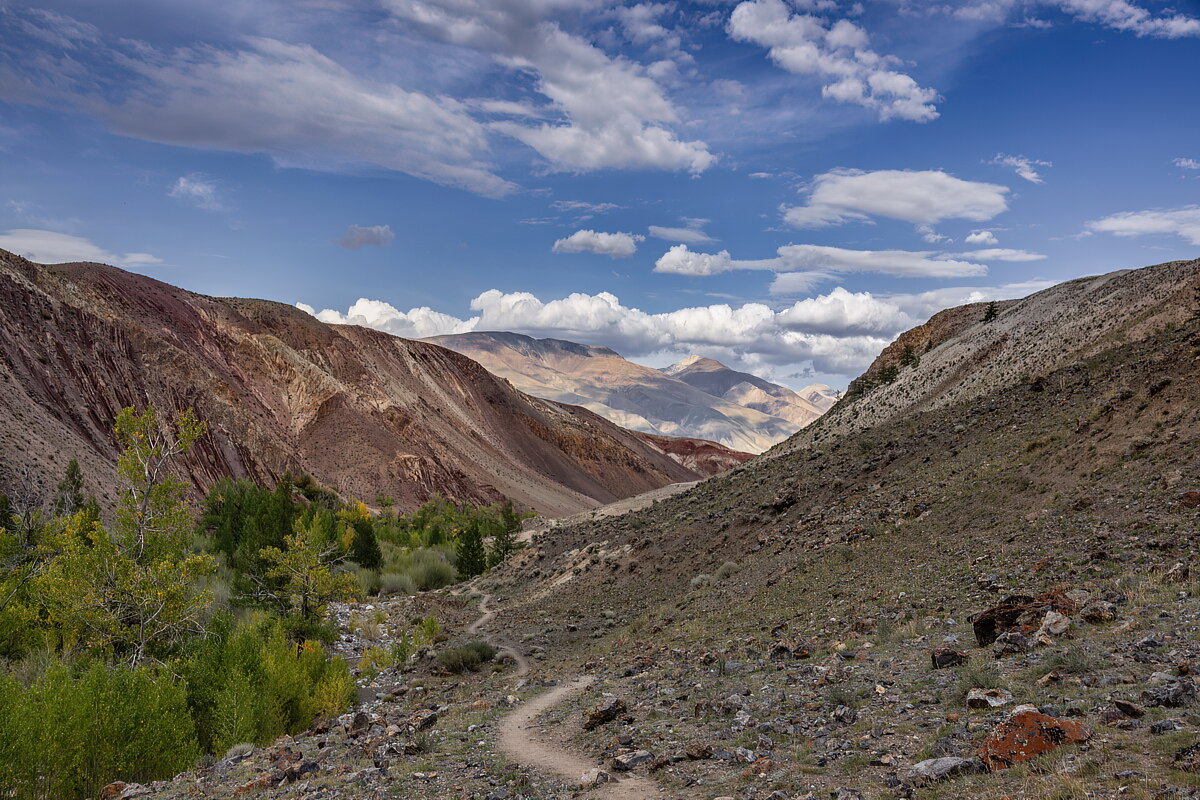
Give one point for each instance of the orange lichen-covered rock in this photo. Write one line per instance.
(1027, 734)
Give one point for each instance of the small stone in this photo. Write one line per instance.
(1166, 726)
(605, 711)
(1098, 612)
(1011, 643)
(627, 761)
(944, 657)
(1055, 624)
(1129, 709)
(1188, 759)
(594, 777)
(937, 769)
(988, 698)
(1175, 694)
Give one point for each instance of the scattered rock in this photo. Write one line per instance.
(1028, 734)
(1188, 759)
(1011, 643)
(1129, 709)
(944, 657)
(938, 769)
(605, 711)
(1098, 612)
(1055, 623)
(627, 761)
(1176, 694)
(1179, 573)
(988, 698)
(594, 777)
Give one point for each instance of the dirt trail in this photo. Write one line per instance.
(522, 739)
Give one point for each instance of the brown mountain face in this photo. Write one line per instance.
(363, 412)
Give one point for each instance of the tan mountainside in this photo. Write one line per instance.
(751, 391)
(362, 411)
(631, 395)
(961, 358)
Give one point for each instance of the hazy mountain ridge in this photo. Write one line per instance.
(635, 396)
(362, 411)
(749, 390)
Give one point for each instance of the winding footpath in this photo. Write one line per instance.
(525, 742)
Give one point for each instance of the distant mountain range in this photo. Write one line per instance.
(363, 412)
(698, 397)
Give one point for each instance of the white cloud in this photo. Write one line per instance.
(813, 260)
(921, 197)
(416, 323)
(51, 247)
(615, 113)
(613, 245)
(357, 236)
(1186, 163)
(285, 100)
(999, 254)
(1183, 222)
(842, 312)
(837, 333)
(1025, 167)
(837, 53)
(584, 206)
(1119, 15)
(197, 190)
(1125, 16)
(693, 233)
(982, 238)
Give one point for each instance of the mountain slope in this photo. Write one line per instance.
(631, 395)
(960, 358)
(362, 411)
(751, 391)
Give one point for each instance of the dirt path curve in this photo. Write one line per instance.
(496, 640)
(519, 731)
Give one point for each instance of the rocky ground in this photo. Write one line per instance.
(997, 599)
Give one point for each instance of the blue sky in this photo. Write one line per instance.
(781, 184)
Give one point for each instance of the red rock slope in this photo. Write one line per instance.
(362, 411)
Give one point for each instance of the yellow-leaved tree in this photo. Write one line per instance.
(135, 589)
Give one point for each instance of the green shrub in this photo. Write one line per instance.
(250, 683)
(467, 657)
(426, 569)
(68, 734)
(396, 583)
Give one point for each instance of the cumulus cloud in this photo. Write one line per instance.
(357, 236)
(917, 196)
(614, 112)
(197, 190)
(1025, 167)
(982, 238)
(51, 247)
(815, 260)
(613, 245)
(841, 312)
(838, 333)
(285, 100)
(1183, 222)
(417, 323)
(836, 52)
